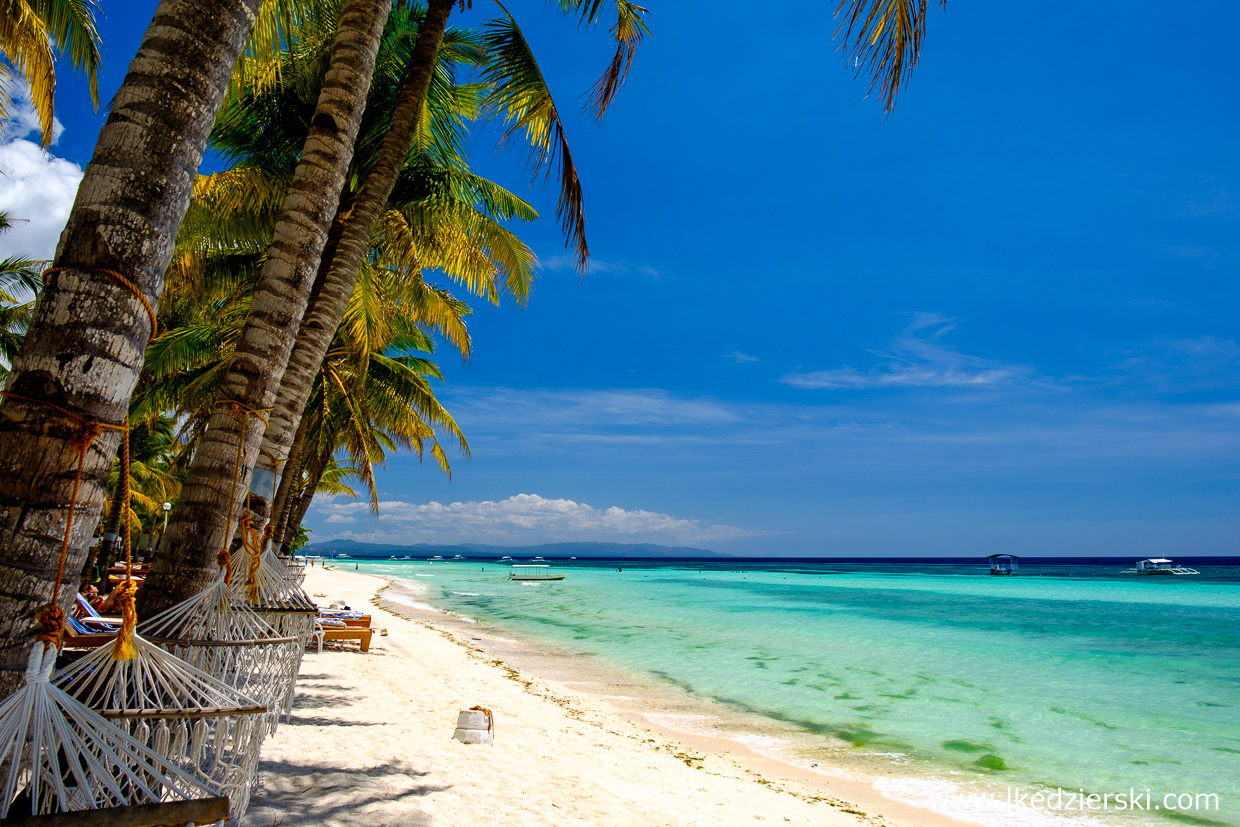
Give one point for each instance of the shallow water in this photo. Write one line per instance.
(1064, 676)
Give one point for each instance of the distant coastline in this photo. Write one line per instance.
(354, 548)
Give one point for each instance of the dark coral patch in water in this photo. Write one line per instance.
(990, 761)
(963, 746)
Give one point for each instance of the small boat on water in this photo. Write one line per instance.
(533, 573)
(539, 560)
(1158, 565)
(435, 559)
(505, 557)
(1003, 563)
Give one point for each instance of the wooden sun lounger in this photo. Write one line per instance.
(362, 636)
(170, 814)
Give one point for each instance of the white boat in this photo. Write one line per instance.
(342, 556)
(505, 557)
(533, 573)
(539, 560)
(1158, 565)
(435, 559)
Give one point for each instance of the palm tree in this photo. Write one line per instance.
(366, 405)
(31, 31)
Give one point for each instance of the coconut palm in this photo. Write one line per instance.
(31, 32)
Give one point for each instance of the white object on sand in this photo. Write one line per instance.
(475, 726)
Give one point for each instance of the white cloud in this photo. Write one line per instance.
(525, 518)
(595, 266)
(36, 188)
(916, 358)
(741, 358)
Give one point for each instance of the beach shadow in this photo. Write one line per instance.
(336, 687)
(321, 701)
(295, 794)
(318, 720)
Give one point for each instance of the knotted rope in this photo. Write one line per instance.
(252, 544)
(51, 618)
(122, 647)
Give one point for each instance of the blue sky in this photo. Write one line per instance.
(1001, 319)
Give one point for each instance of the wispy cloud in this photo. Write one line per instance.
(1215, 202)
(917, 358)
(741, 358)
(1183, 364)
(560, 263)
(524, 518)
(36, 188)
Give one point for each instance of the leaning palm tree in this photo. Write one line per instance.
(31, 32)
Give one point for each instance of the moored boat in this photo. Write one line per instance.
(1158, 565)
(533, 573)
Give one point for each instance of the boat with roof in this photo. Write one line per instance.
(1158, 565)
(539, 573)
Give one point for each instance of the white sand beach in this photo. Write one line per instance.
(369, 742)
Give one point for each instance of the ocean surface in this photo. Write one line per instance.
(959, 690)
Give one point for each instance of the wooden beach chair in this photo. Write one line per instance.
(362, 636)
(78, 635)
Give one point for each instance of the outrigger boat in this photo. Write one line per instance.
(533, 573)
(1158, 565)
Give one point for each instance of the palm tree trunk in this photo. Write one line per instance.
(85, 344)
(219, 475)
(291, 473)
(299, 507)
(321, 321)
(269, 466)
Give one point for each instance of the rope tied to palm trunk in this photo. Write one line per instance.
(51, 618)
(133, 288)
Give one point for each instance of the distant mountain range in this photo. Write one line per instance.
(355, 549)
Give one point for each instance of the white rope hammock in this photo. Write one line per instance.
(266, 584)
(63, 757)
(193, 720)
(218, 632)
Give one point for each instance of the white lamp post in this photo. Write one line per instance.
(167, 508)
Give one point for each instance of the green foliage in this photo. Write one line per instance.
(31, 34)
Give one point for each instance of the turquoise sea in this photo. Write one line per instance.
(942, 679)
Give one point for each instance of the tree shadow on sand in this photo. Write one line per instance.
(320, 721)
(293, 794)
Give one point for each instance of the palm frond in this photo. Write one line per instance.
(521, 98)
(27, 52)
(71, 26)
(628, 32)
(887, 43)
